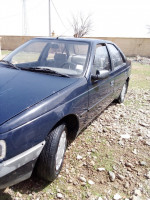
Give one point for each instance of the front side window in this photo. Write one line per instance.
(62, 56)
(101, 59)
(115, 56)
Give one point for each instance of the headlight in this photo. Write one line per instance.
(2, 149)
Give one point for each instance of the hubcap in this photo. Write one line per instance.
(123, 93)
(61, 150)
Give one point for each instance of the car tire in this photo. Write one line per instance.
(121, 97)
(51, 158)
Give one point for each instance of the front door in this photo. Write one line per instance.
(100, 91)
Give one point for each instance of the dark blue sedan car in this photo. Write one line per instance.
(50, 89)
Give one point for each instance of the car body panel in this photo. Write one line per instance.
(33, 103)
(23, 87)
(23, 131)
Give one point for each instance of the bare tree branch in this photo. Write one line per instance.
(81, 25)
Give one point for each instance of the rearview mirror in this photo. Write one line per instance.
(100, 75)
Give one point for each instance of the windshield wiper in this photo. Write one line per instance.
(44, 70)
(9, 64)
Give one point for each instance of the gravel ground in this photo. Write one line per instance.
(110, 159)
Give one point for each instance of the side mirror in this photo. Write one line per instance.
(100, 75)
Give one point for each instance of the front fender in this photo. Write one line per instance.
(21, 137)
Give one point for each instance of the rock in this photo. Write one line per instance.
(75, 183)
(102, 181)
(70, 181)
(134, 151)
(82, 179)
(83, 183)
(91, 182)
(59, 196)
(136, 197)
(148, 175)
(148, 135)
(112, 176)
(92, 163)
(117, 196)
(79, 157)
(142, 163)
(18, 194)
(125, 136)
(121, 143)
(144, 124)
(127, 164)
(137, 192)
(138, 58)
(126, 185)
(147, 143)
(99, 198)
(100, 169)
(120, 177)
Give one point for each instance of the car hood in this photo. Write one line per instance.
(20, 90)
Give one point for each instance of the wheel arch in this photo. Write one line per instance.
(72, 124)
(128, 79)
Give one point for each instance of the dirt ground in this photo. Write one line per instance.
(110, 159)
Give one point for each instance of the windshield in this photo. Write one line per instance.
(62, 56)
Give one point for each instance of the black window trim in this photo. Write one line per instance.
(104, 44)
(121, 54)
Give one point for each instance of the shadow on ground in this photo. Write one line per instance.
(34, 184)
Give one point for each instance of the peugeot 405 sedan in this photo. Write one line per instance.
(50, 89)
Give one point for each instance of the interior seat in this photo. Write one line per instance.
(60, 59)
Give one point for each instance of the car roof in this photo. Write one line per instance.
(89, 40)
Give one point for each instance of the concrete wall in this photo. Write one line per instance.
(130, 46)
(12, 42)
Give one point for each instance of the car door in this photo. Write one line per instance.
(100, 91)
(119, 68)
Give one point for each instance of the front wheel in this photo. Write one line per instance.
(51, 158)
(121, 97)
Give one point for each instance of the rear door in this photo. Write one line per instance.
(100, 91)
(119, 68)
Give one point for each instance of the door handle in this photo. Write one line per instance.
(112, 83)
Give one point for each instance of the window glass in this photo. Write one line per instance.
(62, 56)
(115, 55)
(30, 53)
(80, 49)
(56, 49)
(101, 60)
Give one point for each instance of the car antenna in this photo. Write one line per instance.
(61, 35)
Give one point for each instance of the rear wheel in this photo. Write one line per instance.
(121, 97)
(51, 158)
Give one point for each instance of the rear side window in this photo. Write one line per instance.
(115, 56)
(101, 59)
